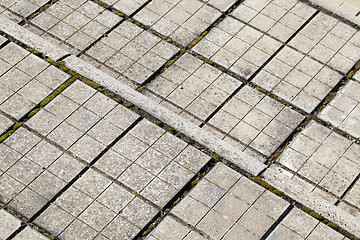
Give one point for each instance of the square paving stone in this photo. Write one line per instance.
(292, 220)
(26, 81)
(301, 81)
(74, 201)
(127, 231)
(237, 47)
(353, 195)
(30, 234)
(27, 203)
(85, 129)
(126, 6)
(66, 167)
(92, 183)
(157, 171)
(8, 157)
(194, 86)
(79, 230)
(329, 41)
(132, 51)
(324, 157)
(24, 7)
(2, 40)
(76, 24)
(9, 224)
(324, 231)
(9, 188)
(280, 18)
(180, 20)
(5, 123)
(246, 207)
(97, 216)
(54, 219)
(344, 110)
(256, 120)
(170, 227)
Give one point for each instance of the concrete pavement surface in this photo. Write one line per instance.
(179, 119)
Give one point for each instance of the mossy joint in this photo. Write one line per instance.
(8, 133)
(328, 223)
(268, 186)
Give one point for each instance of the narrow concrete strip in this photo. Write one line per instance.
(31, 39)
(335, 10)
(281, 179)
(203, 137)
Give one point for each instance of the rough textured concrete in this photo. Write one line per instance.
(138, 134)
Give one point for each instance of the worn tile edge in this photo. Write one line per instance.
(335, 11)
(31, 39)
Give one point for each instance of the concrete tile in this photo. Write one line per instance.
(66, 167)
(190, 210)
(9, 188)
(345, 104)
(9, 224)
(210, 224)
(128, 230)
(47, 185)
(136, 177)
(159, 192)
(79, 230)
(115, 198)
(73, 201)
(97, 216)
(28, 203)
(139, 212)
(31, 234)
(55, 219)
(170, 227)
(8, 157)
(92, 183)
(112, 163)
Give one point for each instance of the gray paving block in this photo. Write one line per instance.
(344, 110)
(78, 25)
(9, 224)
(55, 219)
(5, 123)
(238, 47)
(31, 234)
(194, 86)
(170, 227)
(329, 41)
(245, 208)
(303, 82)
(92, 183)
(28, 203)
(9, 187)
(180, 20)
(256, 120)
(31, 39)
(132, 51)
(280, 19)
(305, 155)
(317, 200)
(97, 216)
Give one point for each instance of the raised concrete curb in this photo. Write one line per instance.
(203, 137)
(281, 179)
(335, 11)
(31, 39)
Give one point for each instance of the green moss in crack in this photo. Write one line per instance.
(159, 123)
